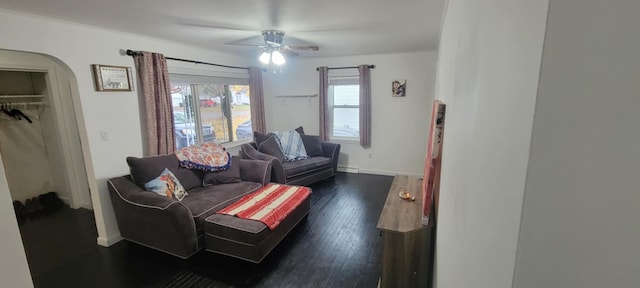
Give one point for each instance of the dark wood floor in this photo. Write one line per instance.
(338, 245)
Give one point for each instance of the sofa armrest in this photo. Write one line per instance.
(277, 170)
(331, 150)
(255, 171)
(151, 219)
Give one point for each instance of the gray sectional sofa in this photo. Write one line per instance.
(178, 227)
(322, 163)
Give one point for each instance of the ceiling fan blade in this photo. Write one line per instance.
(305, 48)
(338, 29)
(272, 40)
(248, 45)
(289, 52)
(216, 25)
(249, 41)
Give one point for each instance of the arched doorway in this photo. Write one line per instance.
(51, 143)
(45, 89)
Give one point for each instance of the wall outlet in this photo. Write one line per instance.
(370, 155)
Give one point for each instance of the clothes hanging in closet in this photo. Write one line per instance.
(24, 154)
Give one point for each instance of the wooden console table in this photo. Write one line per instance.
(406, 242)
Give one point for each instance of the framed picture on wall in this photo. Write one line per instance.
(112, 78)
(431, 180)
(399, 88)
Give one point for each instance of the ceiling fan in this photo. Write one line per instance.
(273, 47)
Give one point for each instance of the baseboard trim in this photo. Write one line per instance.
(87, 206)
(66, 200)
(354, 170)
(389, 173)
(106, 242)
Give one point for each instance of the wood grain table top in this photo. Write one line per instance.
(399, 215)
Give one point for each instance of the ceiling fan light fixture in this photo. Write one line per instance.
(273, 37)
(277, 58)
(265, 57)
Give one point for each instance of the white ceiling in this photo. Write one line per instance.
(339, 27)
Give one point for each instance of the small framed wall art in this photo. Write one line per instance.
(399, 88)
(112, 78)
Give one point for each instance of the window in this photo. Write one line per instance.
(210, 108)
(344, 106)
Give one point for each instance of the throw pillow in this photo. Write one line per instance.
(259, 137)
(312, 144)
(271, 147)
(167, 185)
(231, 175)
(300, 130)
(291, 145)
(145, 169)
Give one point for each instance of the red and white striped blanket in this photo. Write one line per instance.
(270, 204)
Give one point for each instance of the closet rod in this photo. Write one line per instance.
(136, 53)
(350, 67)
(25, 103)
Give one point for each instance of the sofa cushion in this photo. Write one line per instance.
(205, 201)
(300, 130)
(259, 137)
(296, 168)
(312, 144)
(231, 175)
(271, 147)
(144, 169)
(166, 184)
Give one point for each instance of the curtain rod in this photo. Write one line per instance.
(134, 53)
(351, 67)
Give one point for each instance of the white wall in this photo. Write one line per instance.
(14, 271)
(116, 113)
(582, 202)
(489, 59)
(400, 124)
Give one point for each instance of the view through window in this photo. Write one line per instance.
(344, 105)
(206, 112)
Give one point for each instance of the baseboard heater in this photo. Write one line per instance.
(354, 170)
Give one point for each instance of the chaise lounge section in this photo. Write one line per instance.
(250, 240)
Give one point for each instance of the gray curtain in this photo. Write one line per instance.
(158, 111)
(365, 106)
(257, 100)
(323, 103)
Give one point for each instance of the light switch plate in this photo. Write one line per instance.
(104, 136)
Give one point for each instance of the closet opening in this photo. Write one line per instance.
(42, 157)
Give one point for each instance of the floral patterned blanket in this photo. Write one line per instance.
(206, 156)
